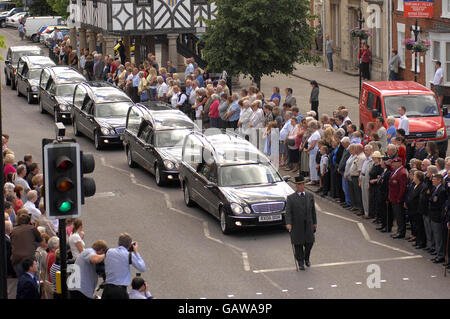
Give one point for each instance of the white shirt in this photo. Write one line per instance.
(73, 240)
(347, 119)
(404, 124)
(438, 76)
(178, 99)
(32, 210)
(161, 89)
(314, 137)
(257, 119)
(244, 118)
(198, 111)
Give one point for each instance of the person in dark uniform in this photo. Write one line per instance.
(415, 206)
(397, 189)
(436, 211)
(121, 50)
(301, 222)
(381, 196)
(374, 174)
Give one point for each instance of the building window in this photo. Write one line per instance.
(400, 46)
(436, 50)
(399, 5)
(335, 25)
(446, 9)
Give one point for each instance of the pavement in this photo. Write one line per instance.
(186, 254)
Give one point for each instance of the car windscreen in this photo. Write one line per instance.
(170, 138)
(35, 74)
(248, 174)
(17, 55)
(419, 105)
(117, 109)
(65, 89)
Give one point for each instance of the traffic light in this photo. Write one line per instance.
(87, 183)
(62, 170)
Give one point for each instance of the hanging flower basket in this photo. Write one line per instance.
(421, 46)
(360, 33)
(409, 44)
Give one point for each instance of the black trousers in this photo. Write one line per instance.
(418, 228)
(315, 107)
(115, 292)
(333, 183)
(399, 216)
(372, 204)
(302, 252)
(75, 294)
(232, 124)
(326, 182)
(357, 193)
(134, 94)
(389, 217)
(365, 70)
(340, 187)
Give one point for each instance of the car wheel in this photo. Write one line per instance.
(224, 223)
(75, 128)
(159, 179)
(34, 38)
(97, 143)
(56, 115)
(30, 99)
(187, 196)
(3, 24)
(130, 161)
(8, 80)
(18, 92)
(41, 107)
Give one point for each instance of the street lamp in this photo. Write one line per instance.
(416, 38)
(361, 21)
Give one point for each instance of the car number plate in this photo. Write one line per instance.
(269, 218)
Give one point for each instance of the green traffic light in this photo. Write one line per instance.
(65, 206)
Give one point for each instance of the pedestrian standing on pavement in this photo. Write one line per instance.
(21, 31)
(397, 189)
(365, 179)
(416, 208)
(290, 99)
(394, 64)
(355, 172)
(404, 121)
(314, 98)
(329, 51)
(437, 203)
(382, 198)
(76, 239)
(438, 82)
(117, 267)
(312, 150)
(365, 58)
(301, 222)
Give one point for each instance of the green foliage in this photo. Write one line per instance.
(19, 3)
(41, 8)
(2, 45)
(60, 7)
(259, 37)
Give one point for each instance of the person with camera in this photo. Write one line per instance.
(140, 289)
(86, 263)
(117, 267)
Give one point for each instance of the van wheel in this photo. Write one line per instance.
(130, 161)
(187, 195)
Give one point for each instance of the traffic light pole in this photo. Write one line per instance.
(3, 261)
(63, 254)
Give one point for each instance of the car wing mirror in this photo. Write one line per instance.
(148, 146)
(286, 178)
(211, 185)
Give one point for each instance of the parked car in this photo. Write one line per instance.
(33, 25)
(6, 6)
(28, 74)
(425, 117)
(9, 14)
(99, 111)
(14, 21)
(12, 57)
(56, 87)
(153, 138)
(232, 180)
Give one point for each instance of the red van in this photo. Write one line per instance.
(425, 118)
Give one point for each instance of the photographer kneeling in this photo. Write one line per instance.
(86, 262)
(117, 267)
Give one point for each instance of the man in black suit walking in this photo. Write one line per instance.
(27, 287)
(301, 222)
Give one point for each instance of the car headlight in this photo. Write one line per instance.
(64, 107)
(107, 131)
(34, 88)
(236, 208)
(169, 164)
(440, 132)
(247, 210)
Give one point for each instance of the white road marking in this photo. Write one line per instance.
(358, 283)
(284, 290)
(433, 276)
(405, 279)
(259, 293)
(383, 280)
(246, 262)
(340, 263)
(310, 288)
(104, 194)
(230, 296)
(333, 286)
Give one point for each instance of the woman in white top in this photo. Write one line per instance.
(312, 149)
(76, 241)
(244, 118)
(257, 117)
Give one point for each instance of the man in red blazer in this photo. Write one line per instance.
(397, 190)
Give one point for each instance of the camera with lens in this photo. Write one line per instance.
(131, 249)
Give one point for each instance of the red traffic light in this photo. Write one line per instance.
(63, 163)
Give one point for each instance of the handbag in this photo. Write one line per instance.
(144, 96)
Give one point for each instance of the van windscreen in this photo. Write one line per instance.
(419, 105)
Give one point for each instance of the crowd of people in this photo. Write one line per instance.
(33, 244)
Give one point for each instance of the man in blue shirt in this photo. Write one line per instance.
(189, 68)
(297, 114)
(134, 93)
(283, 136)
(199, 78)
(117, 267)
(233, 112)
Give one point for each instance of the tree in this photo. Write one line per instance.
(60, 7)
(259, 37)
(41, 8)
